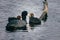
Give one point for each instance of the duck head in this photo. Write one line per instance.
(19, 17)
(31, 15)
(24, 14)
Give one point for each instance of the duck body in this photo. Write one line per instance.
(34, 21)
(14, 24)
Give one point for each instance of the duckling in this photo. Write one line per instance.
(33, 20)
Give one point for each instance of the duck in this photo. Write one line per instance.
(15, 24)
(24, 14)
(34, 20)
(44, 15)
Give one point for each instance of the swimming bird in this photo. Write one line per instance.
(24, 14)
(16, 23)
(44, 15)
(33, 20)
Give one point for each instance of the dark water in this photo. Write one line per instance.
(50, 30)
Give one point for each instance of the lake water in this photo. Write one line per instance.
(50, 30)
